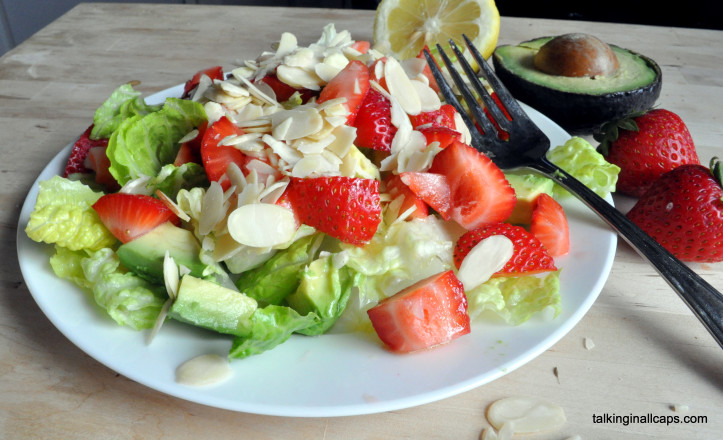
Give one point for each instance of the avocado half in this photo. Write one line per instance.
(579, 104)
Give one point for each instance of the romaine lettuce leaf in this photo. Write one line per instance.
(582, 161)
(270, 326)
(516, 299)
(280, 275)
(128, 299)
(63, 215)
(398, 255)
(142, 145)
(123, 103)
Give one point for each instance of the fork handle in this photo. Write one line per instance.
(705, 301)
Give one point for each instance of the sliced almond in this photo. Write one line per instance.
(212, 208)
(428, 98)
(296, 123)
(262, 225)
(170, 276)
(400, 86)
(526, 415)
(484, 259)
(204, 370)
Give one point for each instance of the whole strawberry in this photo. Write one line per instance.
(683, 211)
(646, 146)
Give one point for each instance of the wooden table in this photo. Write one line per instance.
(650, 352)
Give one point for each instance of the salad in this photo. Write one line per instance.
(315, 189)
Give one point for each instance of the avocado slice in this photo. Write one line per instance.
(527, 187)
(212, 306)
(579, 104)
(144, 255)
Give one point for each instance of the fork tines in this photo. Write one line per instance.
(472, 101)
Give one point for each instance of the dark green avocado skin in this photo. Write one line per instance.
(580, 113)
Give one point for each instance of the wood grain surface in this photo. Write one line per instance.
(650, 352)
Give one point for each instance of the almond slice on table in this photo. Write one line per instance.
(526, 415)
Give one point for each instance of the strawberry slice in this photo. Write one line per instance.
(427, 71)
(503, 135)
(549, 225)
(362, 46)
(97, 161)
(430, 312)
(284, 91)
(396, 188)
(529, 255)
(351, 83)
(444, 135)
(215, 72)
(376, 72)
(215, 158)
(76, 161)
(442, 117)
(346, 208)
(373, 122)
(128, 216)
(479, 191)
(432, 188)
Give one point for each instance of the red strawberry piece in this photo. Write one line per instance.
(444, 135)
(549, 225)
(185, 155)
(373, 123)
(76, 161)
(500, 133)
(428, 313)
(361, 46)
(128, 216)
(443, 117)
(683, 211)
(351, 83)
(645, 147)
(98, 162)
(479, 190)
(376, 72)
(215, 72)
(216, 158)
(529, 255)
(284, 91)
(396, 188)
(432, 188)
(346, 208)
(428, 72)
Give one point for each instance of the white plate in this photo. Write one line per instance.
(329, 375)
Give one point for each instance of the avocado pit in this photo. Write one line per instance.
(576, 55)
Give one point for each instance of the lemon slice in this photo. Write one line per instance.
(403, 27)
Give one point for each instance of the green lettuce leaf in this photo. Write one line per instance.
(142, 145)
(63, 215)
(324, 290)
(270, 326)
(279, 277)
(172, 179)
(583, 162)
(398, 255)
(123, 103)
(128, 299)
(516, 299)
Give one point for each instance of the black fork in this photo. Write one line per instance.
(527, 146)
